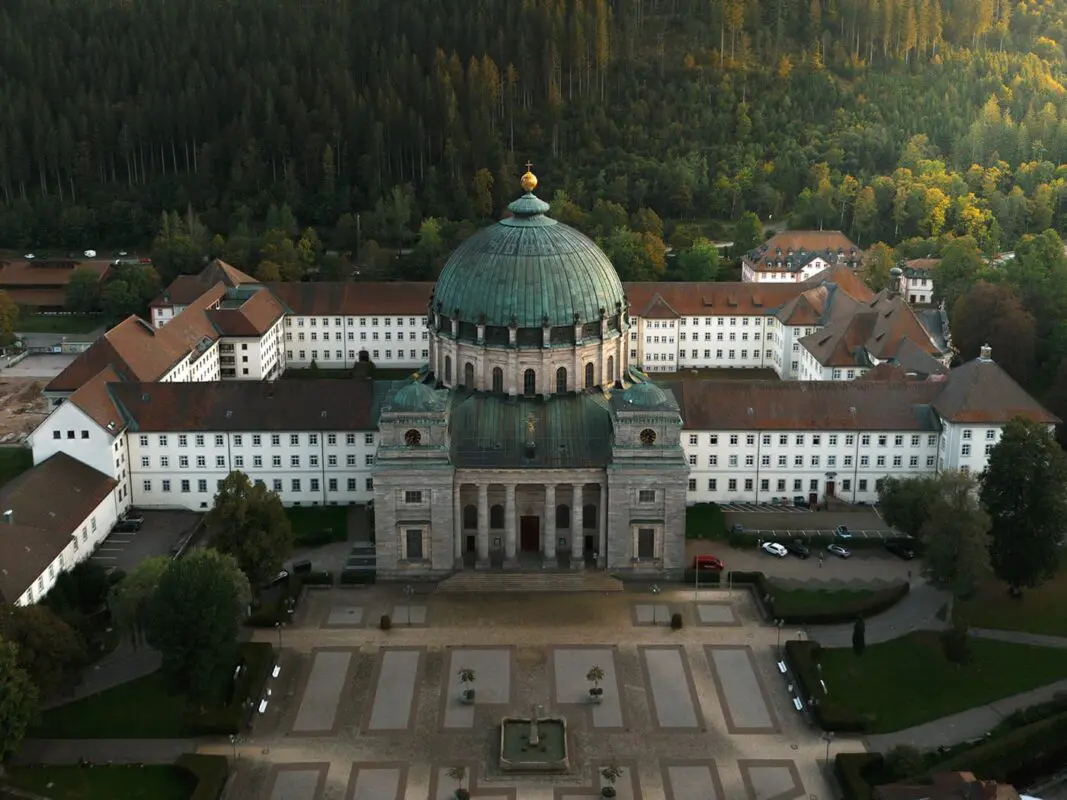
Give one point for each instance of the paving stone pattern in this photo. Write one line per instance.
(770, 780)
(692, 781)
(670, 688)
(714, 614)
(395, 691)
(652, 614)
(740, 690)
(292, 784)
(345, 617)
(409, 615)
(492, 682)
(571, 665)
(373, 783)
(318, 707)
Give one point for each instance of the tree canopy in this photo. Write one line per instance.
(18, 700)
(956, 535)
(130, 599)
(51, 652)
(249, 522)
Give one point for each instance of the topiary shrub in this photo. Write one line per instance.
(676, 621)
(386, 622)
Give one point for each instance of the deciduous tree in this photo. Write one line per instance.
(956, 535)
(129, 599)
(991, 314)
(193, 619)
(249, 523)
(960, 267)
(905, 502)
(879, 260)
(1024, 490)
(18, 701)
(51, 652)
(699, 263)
(83, 291)
(748, 233)
(9, 318)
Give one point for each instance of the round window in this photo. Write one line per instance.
(648, 436)
(412, 438)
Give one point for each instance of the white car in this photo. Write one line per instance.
(29, 256)
(775, 549)
(90, 254)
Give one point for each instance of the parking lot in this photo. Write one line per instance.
(161, 531)
(750, 508)
(866, 563)
(46, 365)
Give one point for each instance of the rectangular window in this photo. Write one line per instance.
(713, 439)
(351, 484)
(713, 461)
(275, 440)
(331, 460)
(146, 485)
(332, 484)
(800, 440)
(294, 461)
(865, 461)
(350, 438)
(413, 544)
(163, 440)
(143, 440)
(712, 484)
(238, 462)
(185, 486)
(145, 462)
(331, 439)
(692, 438)
(913, 461)
(201, 486)
(183, 440)
(350, 460)
(183, 462)
(881, 461)
(368, 438)
(915, 441)
(865, 440)
(277, 483)
(257, 461)
(314, 484)
(220, 462)
(199, 440)
(731, 485)
(201, 462)
(369, 483)
(368, 461)
(966, 450)
(413, 497)
(748, 484)
(238, 440)
(646, 496)
(898, 461)
(219, 440)
(692, 484)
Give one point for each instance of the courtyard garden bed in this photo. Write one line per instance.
(1039, 610)
(150, 782)
(314, 526)
(909, 681)
(58, 323)
(828, 606)
(145, 709)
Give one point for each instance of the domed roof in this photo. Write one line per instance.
(415, 396)
(528, 269)
(644, 395)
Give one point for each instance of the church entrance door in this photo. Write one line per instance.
(529, 534)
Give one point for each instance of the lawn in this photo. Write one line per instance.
(1040, 610)
(318, 525)
(14, 461)
(58, 323)
(103, 783)
(908, 681)
(791, 602)
(704, 521)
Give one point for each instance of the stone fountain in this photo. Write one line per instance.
(534, 743)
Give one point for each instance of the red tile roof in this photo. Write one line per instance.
(46, 272)
(93, 398)
(354, 299)
(981, 392)
(254, 316)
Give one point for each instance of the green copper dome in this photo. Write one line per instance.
(644, 395)
(415, 396)
(528, 270)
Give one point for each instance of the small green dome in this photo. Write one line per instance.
(644, 395)
(528, 270)
(415, 397)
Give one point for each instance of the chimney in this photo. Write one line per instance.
(895, 275)
(986, 353)
(9, 517)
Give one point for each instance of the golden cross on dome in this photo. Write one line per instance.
(529, 180)
(529, 165)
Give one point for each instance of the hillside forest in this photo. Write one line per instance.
(311, 139)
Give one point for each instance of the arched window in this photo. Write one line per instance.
(561, 380)
(648, 436)
(470, 517)
(448, 369)
(413, 438)
(563, 516)
(496, 517)
(589, 516)
(611, 369)
(589, 378)
(498, 380)
(468, 375)
(529, 382)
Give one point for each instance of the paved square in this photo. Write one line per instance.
(345, 617)
(492, 682)
(393, 707)
(409, 615)
(744, 699)
(652, 614)
(318, 708)
(674, 698)
(717, 615)
(377, 782)
(570, 666)
(358, 713)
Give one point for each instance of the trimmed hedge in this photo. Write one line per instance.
(228, 717)
(802, 657)
(708, 577)
(850, 770)
(211, 773)
(351, 577)
(866, 606)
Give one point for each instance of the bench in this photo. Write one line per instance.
(799, 706)
(782, 668)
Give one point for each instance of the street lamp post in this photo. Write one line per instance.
(828, 737)
(778, 623)
(233, 742)
(278, 627)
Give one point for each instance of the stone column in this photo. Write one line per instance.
(602, 562)
(457, 521)
(509, 522)
(483, 524)
(548, 546)
(577, 535)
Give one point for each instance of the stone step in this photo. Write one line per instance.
(487, 582)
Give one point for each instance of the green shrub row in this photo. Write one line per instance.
(228, 716)
(278, 609)
(211, 773)
(802, 656)
(357, 576)
(850, 769)
(705, 521)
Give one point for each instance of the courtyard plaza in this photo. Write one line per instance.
(700, 713)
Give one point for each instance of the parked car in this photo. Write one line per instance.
(134, 516)
(281, 577)
(842, 532)
(798, 548)
(800, 501)
(126, 526)
(775, 549)
(839, 550)
(708, 562)
(901, 548)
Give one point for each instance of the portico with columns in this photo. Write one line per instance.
(521, 518)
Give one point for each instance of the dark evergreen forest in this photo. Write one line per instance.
(887, 118)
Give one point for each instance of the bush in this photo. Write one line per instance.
(676, 621)
(705, 521)
(859, 606)
(903, 761)
(357, 576)
(386, 622)
(227, 716)
(317, 579)
(708, 577)
(956, 644)
(210, 772)
(802, 657)
(851, 769)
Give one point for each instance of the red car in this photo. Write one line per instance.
(708, 562)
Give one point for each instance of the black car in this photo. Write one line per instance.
(134, 516)
(798, 548)
(901, 549)
(126, 526)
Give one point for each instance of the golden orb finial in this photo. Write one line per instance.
(529, 180)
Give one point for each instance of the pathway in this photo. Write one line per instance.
(104, 751)
(122, 666)
(917, 611)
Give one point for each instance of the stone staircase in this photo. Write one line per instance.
(469, 582)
